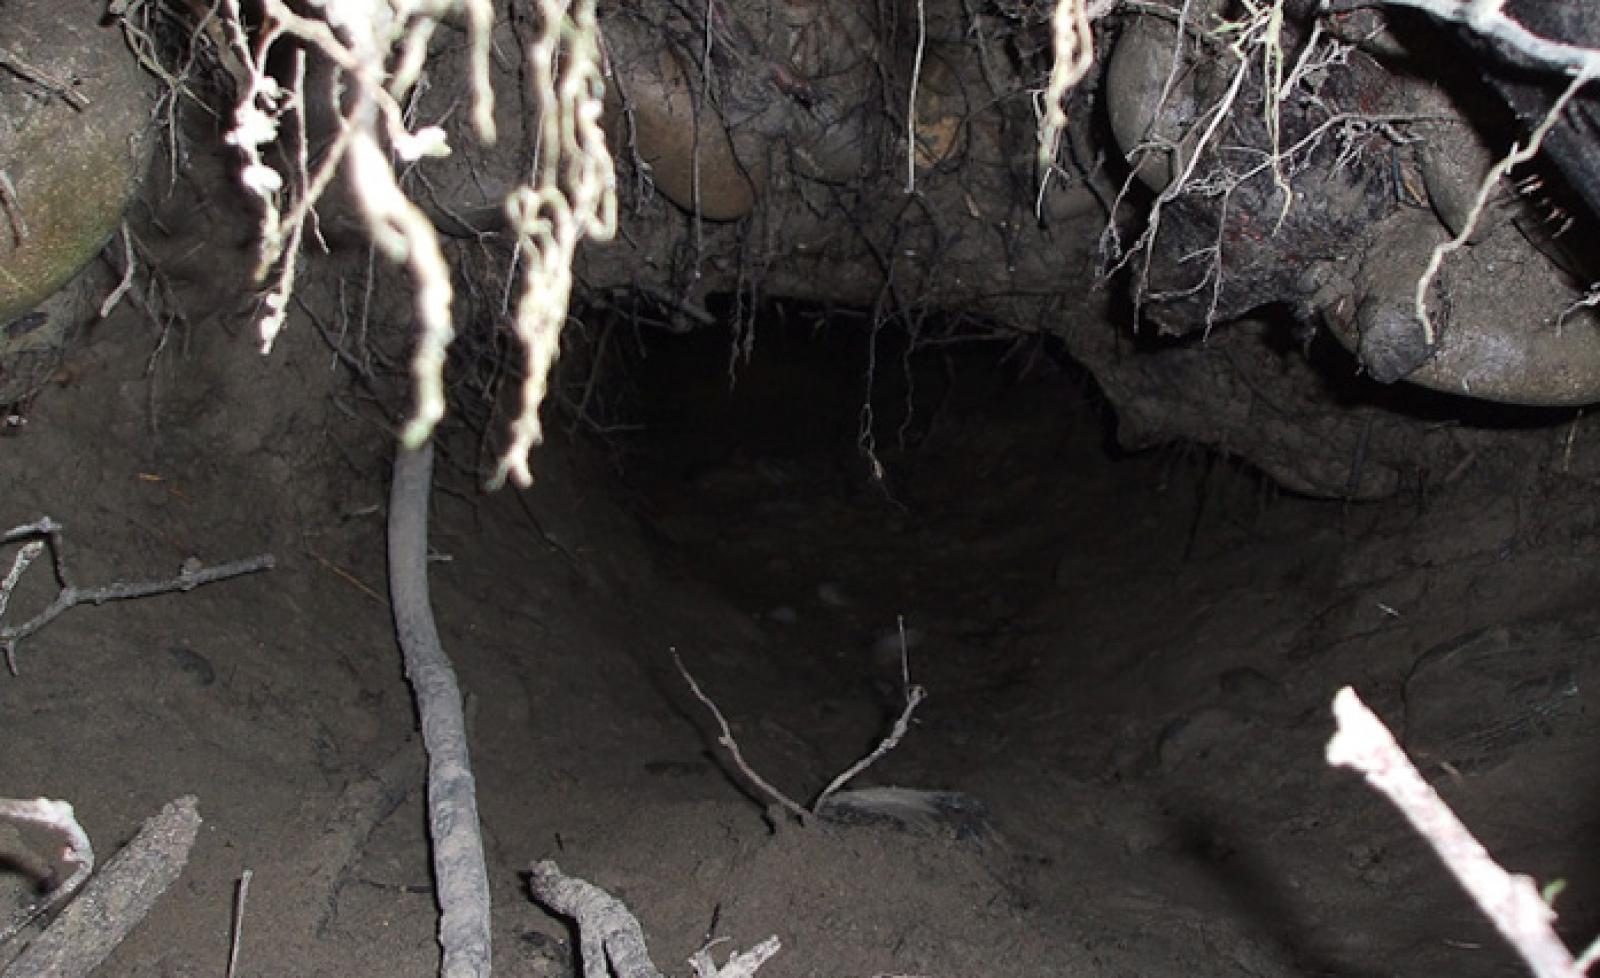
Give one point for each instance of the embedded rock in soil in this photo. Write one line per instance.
(75, 155)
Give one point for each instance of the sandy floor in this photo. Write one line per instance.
(1128, 662)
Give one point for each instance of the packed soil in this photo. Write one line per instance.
(1128, 662)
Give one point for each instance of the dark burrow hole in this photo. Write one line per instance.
(840, 480)
(837, 482)
(1160, 626)
(1129, 657)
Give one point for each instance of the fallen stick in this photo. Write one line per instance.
(461, 880)
(191, 574)
(726, 739)
(1512, 903)
(609, 936)
(914, 694)
(610, 940)
(113, 902)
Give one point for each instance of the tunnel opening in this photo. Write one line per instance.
(1128, 653)
(1148, 629)
(1128, 656)
(845, 487)
(867, 501)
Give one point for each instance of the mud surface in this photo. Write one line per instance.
(1129, 663)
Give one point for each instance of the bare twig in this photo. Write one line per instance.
(461, 879)
(914, 695)
(911, 99)
(44, 79)
(725, 738)
(191, 574)
(43, 526)
(889, 743)
(126, 283)
(13, 208)
(239, 899)
(26, 555)
(1488, 19)
(116, 900)
(1512, 903)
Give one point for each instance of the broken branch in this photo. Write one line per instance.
(914, 694)
(725, 738)
(1512, 903)
(57, 817)
(191, 574)
(116, 900)
(607, 930)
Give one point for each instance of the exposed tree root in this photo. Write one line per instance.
(461, 880)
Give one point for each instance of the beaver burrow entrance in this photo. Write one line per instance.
(1129, 645)
(1129, 660)
(1128, 663)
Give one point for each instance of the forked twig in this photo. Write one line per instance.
(914, 695)
(191, 574)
